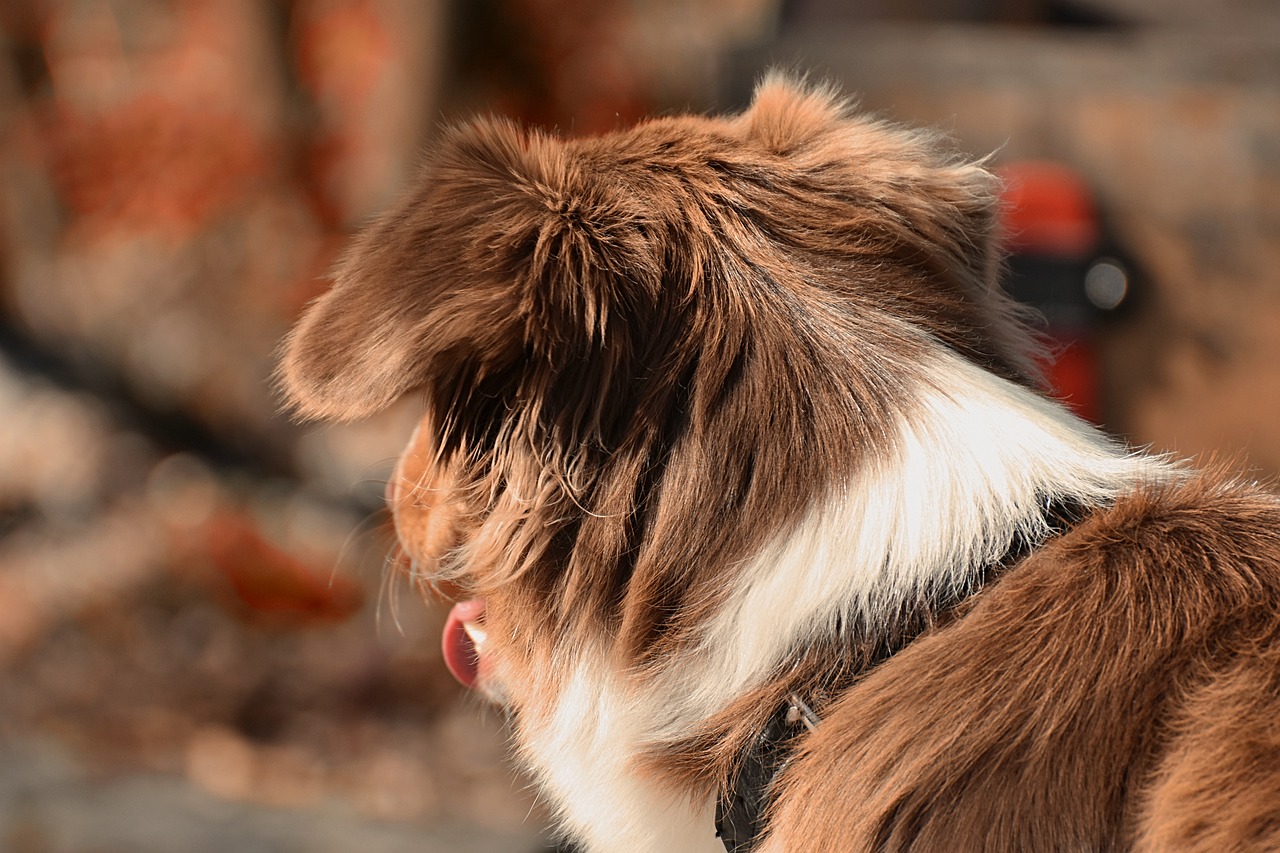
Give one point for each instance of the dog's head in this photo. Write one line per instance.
(646, 355)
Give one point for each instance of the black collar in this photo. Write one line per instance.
(740, 808)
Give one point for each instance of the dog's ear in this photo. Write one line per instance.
(891, 194)
(787, 114)
(908, 180)
(513, 245)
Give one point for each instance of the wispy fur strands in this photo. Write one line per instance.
(719, 409)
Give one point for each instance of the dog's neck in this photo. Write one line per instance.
(747, 794)
(974, 464)
(968, 478)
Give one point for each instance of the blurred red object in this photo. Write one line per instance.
(268, 583)
(1056, 243)
(1048, 210)
(1073, 376)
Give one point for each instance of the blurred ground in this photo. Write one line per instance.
(203, 642)
(54, 803)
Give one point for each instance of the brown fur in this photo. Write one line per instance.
(669, 298)
(1115, 691)
(645, 355)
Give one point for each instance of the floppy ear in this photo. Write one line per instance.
(513, 245)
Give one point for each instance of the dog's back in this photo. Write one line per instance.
(1119, 689)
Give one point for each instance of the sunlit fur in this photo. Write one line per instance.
(719, 409)
(972, 464)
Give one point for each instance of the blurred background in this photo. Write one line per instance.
(201, 645)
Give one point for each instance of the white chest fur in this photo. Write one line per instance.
(584, 756)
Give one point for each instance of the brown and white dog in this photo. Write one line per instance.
(727, 417)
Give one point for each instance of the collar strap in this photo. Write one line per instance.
(740, 808)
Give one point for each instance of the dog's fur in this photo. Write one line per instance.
(722, 409)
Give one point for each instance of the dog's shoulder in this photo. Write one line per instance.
(1030, 723)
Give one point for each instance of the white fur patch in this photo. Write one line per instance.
(973, 463)
(583, 754)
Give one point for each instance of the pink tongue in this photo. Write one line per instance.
(459, 652)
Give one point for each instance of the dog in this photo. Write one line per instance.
(766, 534)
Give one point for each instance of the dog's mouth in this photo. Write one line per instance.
(463, 641)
